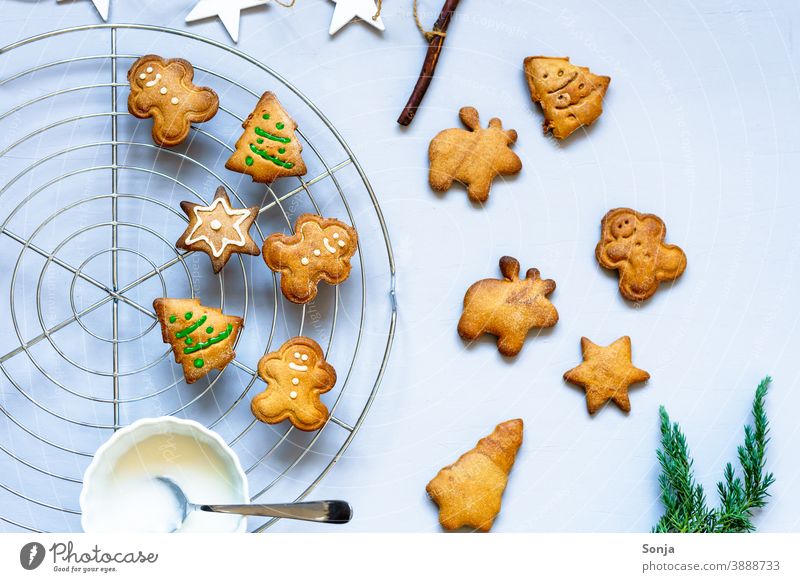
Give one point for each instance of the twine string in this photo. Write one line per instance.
(428, 34)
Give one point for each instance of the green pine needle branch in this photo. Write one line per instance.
(684, 500)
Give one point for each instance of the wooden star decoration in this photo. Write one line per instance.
(102, 7)
(606, 373)
(347, 10)
(218, 229)
(228, 11)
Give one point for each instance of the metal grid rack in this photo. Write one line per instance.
(31, 402)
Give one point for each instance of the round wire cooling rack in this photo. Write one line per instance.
(89, 208)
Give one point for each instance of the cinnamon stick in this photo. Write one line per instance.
(435, 45)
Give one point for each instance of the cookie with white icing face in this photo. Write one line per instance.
(319, 250)
(296, 375)
(163, 89)
(218, 229)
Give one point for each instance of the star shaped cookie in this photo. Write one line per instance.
(606, 373)
(218, 229)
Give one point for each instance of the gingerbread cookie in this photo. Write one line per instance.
(508, 308)
(633, 244)
(606, 374)
(296, 375)
(218, 229)
(319, 250)
(202, 338)
(268, 149)
(469, 491)
(570, 96)
(163, 89)
(473, 157)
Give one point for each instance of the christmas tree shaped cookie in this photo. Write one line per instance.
(202, 338)
(296, 375)
(469, 491)
(268, 149)
(570, 96)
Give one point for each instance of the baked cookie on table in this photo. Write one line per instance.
(633, 244)
(296, 375)
(202, 338)
(319, 250)
(570, 96)
(268, 149)
(163, 89)
(508, 308)
(474, 156)
(219, 230)
(469, 492)
(606, 374)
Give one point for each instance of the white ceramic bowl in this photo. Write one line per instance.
(201, 461)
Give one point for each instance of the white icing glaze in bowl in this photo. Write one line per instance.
(120, 493)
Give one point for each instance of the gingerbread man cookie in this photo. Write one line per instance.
(508, 308)
(296, 375)
(633, 244)
(319, 250)
(218, 229)
(163, 89)
(570, 96)
(606, 374)
(268, 149)
(202, 338)
(473, 157)
(469, 491)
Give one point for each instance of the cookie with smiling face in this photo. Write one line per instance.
(570, 96)
(633, 244)
(296, 375)
(163, 89)
(319, 250)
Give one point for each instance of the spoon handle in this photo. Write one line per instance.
(320, 511)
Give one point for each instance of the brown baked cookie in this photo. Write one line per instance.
(296, 375)
(218, 229)
(469, 491)
(473, 157)
(606, 374)
(508, 308)
(268, 149)
(633, 244)
(319, 250)
(163, 89)
(202, 338)
(570, 96)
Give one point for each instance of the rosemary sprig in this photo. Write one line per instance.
(685, 507)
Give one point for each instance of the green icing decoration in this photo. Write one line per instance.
(281, 150)
(248, 161)
(279, 125)
(188, 315)
(209, 330)
(260, 140)
(265, 116)
(268, 135)
(273, 159)
(199, 363)
(221, 336)
(172, 318)
(191, 329)
(188, 341)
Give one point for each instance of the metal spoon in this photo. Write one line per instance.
(319, 511)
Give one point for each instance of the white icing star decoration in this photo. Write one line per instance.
(102, 7)
(228, 11)
(347, 10)
(219, 229)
